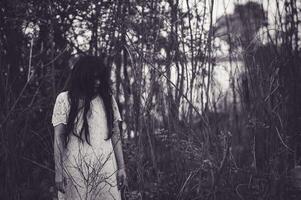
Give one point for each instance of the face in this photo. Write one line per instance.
(96, 82)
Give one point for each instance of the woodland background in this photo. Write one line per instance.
(184, 135)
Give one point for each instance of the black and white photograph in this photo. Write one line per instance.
(150, 99)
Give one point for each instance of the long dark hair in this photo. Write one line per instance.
(81, 86)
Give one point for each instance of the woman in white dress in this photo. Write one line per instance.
(88, 154)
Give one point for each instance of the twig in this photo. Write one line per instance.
(38, 164)
(185, 183)
(280, 138)
(29, 62)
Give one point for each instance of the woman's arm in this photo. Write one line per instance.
(58, 151)
(117, 145)
(116, 140)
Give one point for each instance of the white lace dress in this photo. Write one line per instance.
(89, 171)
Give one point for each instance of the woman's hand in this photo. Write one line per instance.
(60, 186)
(121, 178)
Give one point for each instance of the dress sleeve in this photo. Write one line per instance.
(116, 113)
(60, 110)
